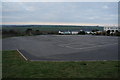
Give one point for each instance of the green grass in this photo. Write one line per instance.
(14, 66)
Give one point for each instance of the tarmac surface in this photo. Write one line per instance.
(64, 47)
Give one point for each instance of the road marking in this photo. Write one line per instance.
(22, 55)
(87, 47)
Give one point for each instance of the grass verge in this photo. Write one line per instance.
(14, 66)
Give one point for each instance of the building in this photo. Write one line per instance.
(60, 32)
(64, 32)
(68, 32)
(88, 32)
(74, 32)
(111, 28)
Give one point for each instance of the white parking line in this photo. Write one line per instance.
(22, 55)
(87, 47)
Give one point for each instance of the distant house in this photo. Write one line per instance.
(64, 32)
(68, 32)
(74, 32)
(88, 32)
(60, 32)
(111, 28)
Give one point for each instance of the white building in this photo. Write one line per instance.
(68, 32)
(60, 32)
(64, 32)
(88, 32)
(74, 32)
(111, 28)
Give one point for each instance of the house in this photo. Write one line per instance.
(111, 28)
(68, 32)
(74, 32)
(64, 32)
(88, 32)
(60, 32)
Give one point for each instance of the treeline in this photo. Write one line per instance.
(27, 32)
(106, 33)
(30, 32)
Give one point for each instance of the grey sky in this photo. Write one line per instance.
(101, 13)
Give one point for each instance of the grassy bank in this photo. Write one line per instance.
(14, 66)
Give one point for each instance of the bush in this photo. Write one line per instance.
(82, 32)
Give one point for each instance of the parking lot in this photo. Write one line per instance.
(64, 47)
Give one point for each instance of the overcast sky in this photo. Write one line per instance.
(79, 13)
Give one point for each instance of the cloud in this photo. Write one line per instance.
(94, 17)
(61, 12)
(105, 7)
(60, 0)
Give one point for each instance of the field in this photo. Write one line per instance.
(51, 28)
(14, 66)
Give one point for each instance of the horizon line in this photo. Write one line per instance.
(57, 23)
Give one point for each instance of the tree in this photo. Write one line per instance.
(117, 33)
(95, 30)
(37, 32)
(12, 31)
(81, 32)
(29, 31)
(112, 32)
(108, 32)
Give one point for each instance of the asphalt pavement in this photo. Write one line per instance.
(64, 47)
